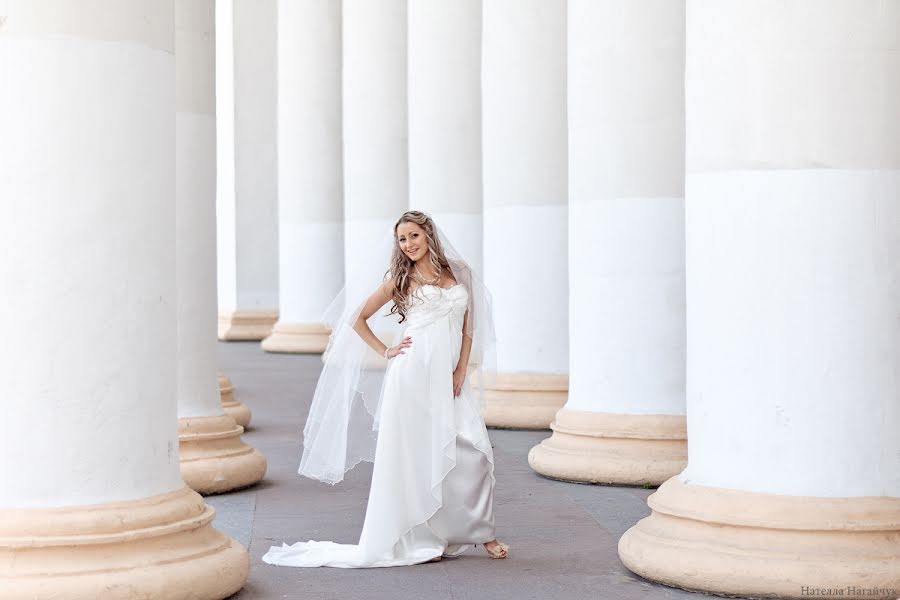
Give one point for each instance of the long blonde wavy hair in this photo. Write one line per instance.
(402, 265)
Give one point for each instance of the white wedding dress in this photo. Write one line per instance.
(433, 476)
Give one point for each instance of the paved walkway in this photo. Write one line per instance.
(562, 536)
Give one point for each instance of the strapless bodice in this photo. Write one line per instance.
(430, 303)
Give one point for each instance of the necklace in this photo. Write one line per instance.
(423, 279)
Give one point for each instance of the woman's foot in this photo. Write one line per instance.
(496, 549)
(435, 559)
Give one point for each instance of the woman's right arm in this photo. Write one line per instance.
(379, 298)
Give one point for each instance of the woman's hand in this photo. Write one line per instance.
(459, 376)
(398, 349)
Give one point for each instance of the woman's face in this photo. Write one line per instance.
(412, 240)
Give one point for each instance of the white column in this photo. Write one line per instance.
(87, 241)
(375, 139)
(624, 420)
(310, 185)
(793, 288)
(445, 118)
(524, 140)
(246, 201)
(213, 457)
(225, 246)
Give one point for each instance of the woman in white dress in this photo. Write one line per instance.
(414, 414)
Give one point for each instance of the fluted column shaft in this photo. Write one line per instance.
(87, 238)
(793, 283)
(445, 118)
(310, 185)
(525, 189)
(624, 419)
(247, 203)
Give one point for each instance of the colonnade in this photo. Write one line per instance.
(310, 173)
(385, 106)
(524, 137)
(108, 244)
(624, 419)
(247, 180)
(444, 118)
(675, 246)
(213, 457)
(792, 227)
(687, 213)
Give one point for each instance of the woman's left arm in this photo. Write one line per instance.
(459, 374)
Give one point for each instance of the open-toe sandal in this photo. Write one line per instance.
(501, 550)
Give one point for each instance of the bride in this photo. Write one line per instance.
(407, 407)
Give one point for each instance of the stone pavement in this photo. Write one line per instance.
(562, 536)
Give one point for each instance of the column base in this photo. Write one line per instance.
(620, 449)
(524, 400)
(297, 338)
(732, 542)
(234, 409)
(243, 325)
(214, 459)
(157, 548)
